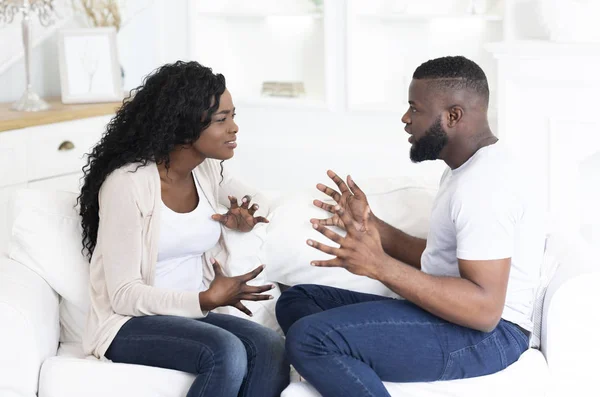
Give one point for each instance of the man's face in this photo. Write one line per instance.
(424, 124)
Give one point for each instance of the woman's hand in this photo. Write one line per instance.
(351, 199)
(240, 218)
(230, 291)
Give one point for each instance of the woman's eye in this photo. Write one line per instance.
(233, 116)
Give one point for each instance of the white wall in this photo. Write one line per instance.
(302, 145)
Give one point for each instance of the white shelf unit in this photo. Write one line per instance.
(263, 41)
(387, 40)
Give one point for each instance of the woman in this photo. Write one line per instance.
(150, 227)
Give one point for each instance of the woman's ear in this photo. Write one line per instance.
(455, 113)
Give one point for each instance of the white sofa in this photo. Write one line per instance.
(43, 298)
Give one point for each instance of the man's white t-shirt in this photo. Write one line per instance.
(485, 210)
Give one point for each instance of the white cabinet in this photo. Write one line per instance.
(350, 55)
(48, 157)
(387, 40)
(255, 43)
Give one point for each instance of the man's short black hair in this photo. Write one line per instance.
(455, 72)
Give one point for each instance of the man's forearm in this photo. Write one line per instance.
(454, 299)
(399, 245)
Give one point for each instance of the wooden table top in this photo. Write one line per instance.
(11, 120)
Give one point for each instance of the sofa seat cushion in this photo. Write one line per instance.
(69, 374)
(528, 377)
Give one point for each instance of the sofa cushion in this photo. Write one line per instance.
(529, 376)
(69, 374)
(46, 237)
(402, 202)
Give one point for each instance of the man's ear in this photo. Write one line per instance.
(455, 114)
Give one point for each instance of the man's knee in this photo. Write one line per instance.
(304, 338)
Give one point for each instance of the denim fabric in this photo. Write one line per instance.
(346, 343)
(230, 356)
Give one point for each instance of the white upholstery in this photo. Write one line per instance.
(29, 309)
(527, 377)
(95, 378)
(403, 203)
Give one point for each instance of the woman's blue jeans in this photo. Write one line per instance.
(346, 343)
(230, 356)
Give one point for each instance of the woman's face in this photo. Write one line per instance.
(218, 140)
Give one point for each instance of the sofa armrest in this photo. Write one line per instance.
(571, 321)
(30, 329)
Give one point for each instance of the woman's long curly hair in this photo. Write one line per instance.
(171, 108)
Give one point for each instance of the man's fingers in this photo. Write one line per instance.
(233, 203)
(255, 297)
(242, 308)
(252, 275)
(355, 189)
(260, 219)
(330, 192)
(253, 209)
(323, 248)
(217, 267)
(324, 206)
(335, 262)
(324, 222)
(246, 201)
(349, 223)
(330, 234)
(338, 181)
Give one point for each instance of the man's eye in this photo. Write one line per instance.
(413, 110)
(233, 116)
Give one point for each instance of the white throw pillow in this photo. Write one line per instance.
(403, 203)
(46, 237)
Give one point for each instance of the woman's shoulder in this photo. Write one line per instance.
(131, 176)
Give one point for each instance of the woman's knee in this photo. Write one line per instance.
(228, 356)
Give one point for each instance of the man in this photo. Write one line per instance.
(468, 289)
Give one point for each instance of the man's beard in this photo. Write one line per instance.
(431, 144)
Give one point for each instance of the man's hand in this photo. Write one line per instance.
(360, 252)
(240, 218)
(351, 199)
(230, 291)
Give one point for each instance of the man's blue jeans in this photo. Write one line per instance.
(346, 343)
(230, 356)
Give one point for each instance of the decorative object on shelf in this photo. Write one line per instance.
(477, 7)
(283, 89)
(571, 21)
(318, 5)
(89, 66)
(108, 13)
(30, 101)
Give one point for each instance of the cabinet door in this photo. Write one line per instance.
(13, 158)
(6, 214)
(61, 148)
(67, 183)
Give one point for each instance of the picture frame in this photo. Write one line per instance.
(89, 66)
